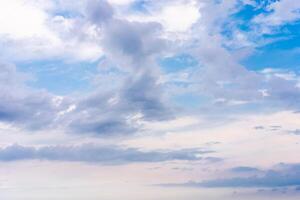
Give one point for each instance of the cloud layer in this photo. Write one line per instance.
(109, 155)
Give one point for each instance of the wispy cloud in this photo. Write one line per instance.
(285, 175)
(109, 155)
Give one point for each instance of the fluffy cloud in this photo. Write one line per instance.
(141, 94)
(122, 112)
(34, 32)
(175, 16)
(23, 106)
(133, 48)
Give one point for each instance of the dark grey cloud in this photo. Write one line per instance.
(283, 175)
(145, 95)
(110, 155)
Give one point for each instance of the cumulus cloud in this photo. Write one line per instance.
(40, 31)
(99, 11)
(23, 106)
(111, 113)
(132, 47)
(220, 76)
(120, 113)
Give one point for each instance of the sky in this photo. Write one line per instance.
(149, 99)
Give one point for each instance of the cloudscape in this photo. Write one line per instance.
(149, 99)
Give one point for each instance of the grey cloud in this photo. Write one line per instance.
(213, 159)
(270, 179)
(35, 109)
(146, 96)
(135, 39)
(111, 155)
(244, 169)
(124, 40)
(283, 175)
(24, 106)
(132, 47)
(267, 129)
(96, 114)
(106, 127)
(259, 127)
(98, 11)
(220, 74)
(295, 132)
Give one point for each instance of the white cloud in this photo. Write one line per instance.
(120, 2)
(21, 20)
(283, 11)
(177, 16)
(28, 31)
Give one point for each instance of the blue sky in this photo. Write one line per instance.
(146, 99)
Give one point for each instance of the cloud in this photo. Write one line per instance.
(113, 113)
(132, 48)
(24, 106)
(140, 93)
(279, 13)
(295, 132)
(111, 155)
(39, 31)
(120, 113)
(220, 74)
(133, 45)
(99, 11)
(244, 169)
(283, 175)
(176, 16)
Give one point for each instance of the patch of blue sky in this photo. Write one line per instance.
(66, 14)
(279, 59)
(177, 63)
(241, 19)
(248, 12)
(190, 100)
(139, 6)
(282, 52)
(59, 77)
